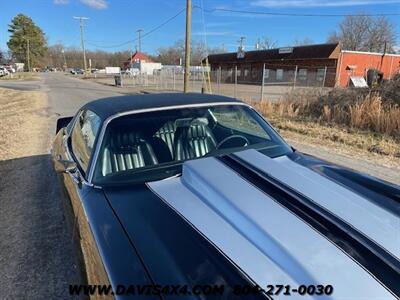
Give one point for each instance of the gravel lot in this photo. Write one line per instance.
(36, 252)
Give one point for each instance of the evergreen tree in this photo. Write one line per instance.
(23, 32)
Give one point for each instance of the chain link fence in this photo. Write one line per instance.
(270, 82)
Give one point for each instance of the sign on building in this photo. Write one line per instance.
(358, 81)
(285, 50)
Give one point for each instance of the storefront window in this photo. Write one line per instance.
(302, 75)
(320, 74)
(279, 74)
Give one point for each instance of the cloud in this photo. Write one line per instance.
(96, 4)
(60, 2)
(319, 3)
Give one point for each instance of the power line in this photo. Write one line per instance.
(142, 36)
(292, 14)
(164, 23)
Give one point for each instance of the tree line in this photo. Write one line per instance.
(360, 33)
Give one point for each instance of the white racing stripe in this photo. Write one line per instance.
(269, 243)
(373, 221)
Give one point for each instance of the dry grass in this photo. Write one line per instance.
(365, 112)
(21, 120)
(365, 124)
(21, 76)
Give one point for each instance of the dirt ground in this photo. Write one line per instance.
(36, 253)
(22, 121)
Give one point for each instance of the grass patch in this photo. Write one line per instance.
(360, 121)
(20, 76)
(357, 139)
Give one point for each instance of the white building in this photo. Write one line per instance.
(143, 63)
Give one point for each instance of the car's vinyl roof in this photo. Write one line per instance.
(110, 106)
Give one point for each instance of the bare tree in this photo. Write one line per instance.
(172, 55)
(268, 43)
(365, 33)
(303, 42)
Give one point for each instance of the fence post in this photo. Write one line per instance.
(295, 77)
(262, 83)
(219, 75)
(173, 79)
(323, 81)
(234, 88)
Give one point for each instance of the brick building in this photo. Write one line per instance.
(356, 63)
(311, 65)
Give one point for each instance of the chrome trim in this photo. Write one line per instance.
(145, 110)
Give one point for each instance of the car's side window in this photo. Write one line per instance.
(83, 136)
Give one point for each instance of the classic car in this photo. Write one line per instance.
(197, 190)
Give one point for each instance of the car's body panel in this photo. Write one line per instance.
(213, 225)
(378, 224)
(172, 250)
(253, 230)
(382, 193)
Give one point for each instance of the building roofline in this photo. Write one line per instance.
(277, 48)
(373, 53)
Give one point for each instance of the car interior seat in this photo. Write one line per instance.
(167, 134)
(127, 150)
(193, 139)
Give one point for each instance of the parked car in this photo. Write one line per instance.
(3, 71)
(196, 189)
(10, 69)
(77, 71)
(133, 72)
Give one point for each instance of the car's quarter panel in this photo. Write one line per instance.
(172, 250)
(268, 242)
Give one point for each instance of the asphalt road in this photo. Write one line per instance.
(36, 255)
(21, 85)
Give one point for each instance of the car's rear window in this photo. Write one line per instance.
(154, 144)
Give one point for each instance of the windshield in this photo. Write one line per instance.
(153, 145)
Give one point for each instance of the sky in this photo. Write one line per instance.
(113, 24)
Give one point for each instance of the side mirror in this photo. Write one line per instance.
(64, 165)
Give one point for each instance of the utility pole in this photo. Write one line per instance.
(241, 40)
(81, 24)
(65, 60)
(28, 59)
(187, 46)
(139, 31)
